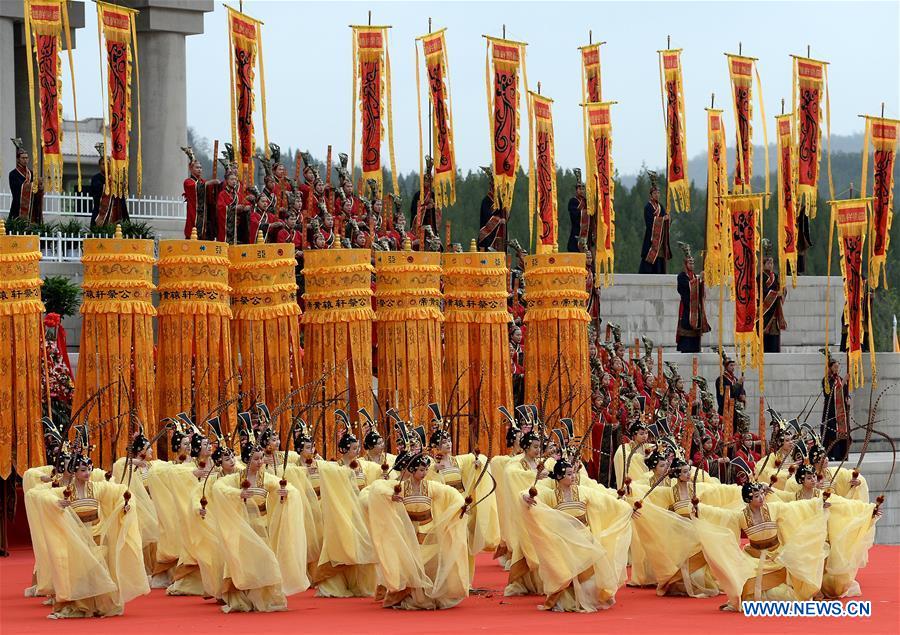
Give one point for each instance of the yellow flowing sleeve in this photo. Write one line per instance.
(73, 565)
(802, 530)
(169, 546)
(122, 537)
(345, 536)
(34, 476)
(666, 539)
(249, 561)
(484, 533)
(444, 551)
(287, 535)
(840, 485)
(719, 532)
(372, 470)
(718, 495)
(611, 525)
(146, 509)
(312, 511)
(563, 548)
(398, 565)
(851, 533)
(501, 494)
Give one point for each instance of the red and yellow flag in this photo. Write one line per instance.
(741, 71)
(787, 203)
(591, 93)
(504, 62)
(116, 26)
(542, 175)
(434, 46)
(372, 89)
(245, 54)
(810, 81)
(600, 137)
(745, 214)
(718, 243)
(851, 217)
(45, 23)
(678, 187)
(882, 134)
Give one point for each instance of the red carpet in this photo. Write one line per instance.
(637, 611)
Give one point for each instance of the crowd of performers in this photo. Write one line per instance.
(667, 479)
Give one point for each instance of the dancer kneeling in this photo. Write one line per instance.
(421, 548)
(580, 537)
(260, 524)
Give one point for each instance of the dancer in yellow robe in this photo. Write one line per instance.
(462, 472)
(91, 536)
(376, 461)
(498, 470)
(259, 523)
(785, 557)
(580, 537)
(421, 549)
(346, 565)
(521, 474)
(851, 533)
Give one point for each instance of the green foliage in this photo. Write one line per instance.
(130, 229)
(20, 225)
(60, 295)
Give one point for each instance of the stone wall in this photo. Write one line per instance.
(648, 305)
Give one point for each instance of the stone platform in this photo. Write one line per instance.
(647, 304)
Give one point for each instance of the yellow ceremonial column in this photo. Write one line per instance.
(194, 317)
(265, 329)
(477, 365)
(557, 369)
(408, 330)
(116, 350)
(338, 335)
(21, 339)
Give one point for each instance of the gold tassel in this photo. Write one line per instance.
(395, 182)
(262, 88)
(29, 51)
(137, 74)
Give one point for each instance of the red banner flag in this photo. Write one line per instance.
(600, 136)
(810, 81)
(542, 174)
(45, 23)
(117, 26)
(745, 211)
(245, 52)
(678, 187)
(434, 46)
(718, 239)
(740, 70)
(503, 63)
(591, 93)
(372, 89)
(787, 203)
(851, 219)
(882, 133)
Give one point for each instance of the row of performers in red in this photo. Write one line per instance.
(310, 213)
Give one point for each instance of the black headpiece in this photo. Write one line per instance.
(749, 489)
(559, 469)
(804, 470)
(347, 438)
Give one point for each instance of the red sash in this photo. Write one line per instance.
(660, 226)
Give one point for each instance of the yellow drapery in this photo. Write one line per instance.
(718, 236)
(476, 345)
(116, 341)
(557, 372)
(265, 328)
(678, 190)
(338, 334)
(787, 201)
(408, 330)
(194, 319)
(21, 336)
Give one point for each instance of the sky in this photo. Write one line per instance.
(307, 48)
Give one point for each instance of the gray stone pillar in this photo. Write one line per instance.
(15, 116)
(7, 99)
(162, 26)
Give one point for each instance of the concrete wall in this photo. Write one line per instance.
(648, 305)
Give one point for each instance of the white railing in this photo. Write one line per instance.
(79, 205)
(61, 247)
